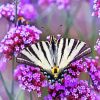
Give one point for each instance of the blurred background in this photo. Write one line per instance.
(73, 20)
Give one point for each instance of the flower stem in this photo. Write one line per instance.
(31, 96)
(12, 86)
(3, 82)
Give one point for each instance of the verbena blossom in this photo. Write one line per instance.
(17, 38)
(45, 2)
(29, 11)
(92, 67)
(59, 3)
(70, 89)
(8, 11)
(97, 46)
(30, 78)
(63, 4)
(96, 8)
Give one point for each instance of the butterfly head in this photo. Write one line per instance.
(55, 71)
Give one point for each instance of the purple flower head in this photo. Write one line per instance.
(29, 11)
(63, 4)
(25, 1)
(30, 78)
(96, 8)
(97, 46)
(3, 64)
(8, 11)
(45, 3)
(17, 38)
(72, 88)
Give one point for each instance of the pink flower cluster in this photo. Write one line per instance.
(60, 3)
(93, 68)
(17, 38)
(96, 8)
(63, 4)
(97, 46)
(8, 11)
(30, 78)
(71, 89)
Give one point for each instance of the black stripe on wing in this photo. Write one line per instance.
(33, 52)
(74, 45)
(83, 52)
(21, 58)
(43, 50)
(62, 51)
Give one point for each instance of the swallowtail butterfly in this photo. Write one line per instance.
(53, 56)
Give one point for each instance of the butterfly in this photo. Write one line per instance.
(54, 56)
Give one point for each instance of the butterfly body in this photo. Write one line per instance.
(53, 56)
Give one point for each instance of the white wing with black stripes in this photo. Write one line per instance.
(37, 54)
(53, 56)
(70, 50)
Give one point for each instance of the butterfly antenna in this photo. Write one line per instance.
(60, 27)
(60, 32)
(52, 39)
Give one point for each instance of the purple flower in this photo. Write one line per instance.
(25, 1)
(29, 11)
(26, 10)
(97, 46)
(45, 3)
(8, 11)
(63, 4)
(96, 8)
(30, 78)
(3, 63)
(72, 88)
(17, 38)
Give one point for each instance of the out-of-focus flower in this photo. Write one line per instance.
(63, 4)
(17, 38)
(8, 11)
(93, 68)
(30, 78)
(96, 8)
(45, 3)
(97, 46)
(29, 11)
(25, 1)
(3, 63)
(60, 3)
(71, 89)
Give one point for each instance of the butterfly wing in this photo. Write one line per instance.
(37, 54)
(70, 50)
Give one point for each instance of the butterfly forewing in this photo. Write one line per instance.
(37, 54)
(70, 50)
